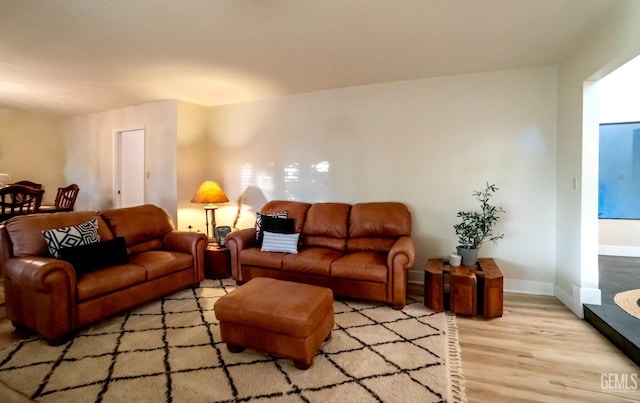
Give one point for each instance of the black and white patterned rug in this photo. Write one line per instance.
(170, 351)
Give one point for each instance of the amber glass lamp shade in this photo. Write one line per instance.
(210, 192)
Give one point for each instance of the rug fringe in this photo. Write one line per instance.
(458, 391)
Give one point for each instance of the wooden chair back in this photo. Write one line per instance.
(18, 200)
(29, 184)
(66, 197)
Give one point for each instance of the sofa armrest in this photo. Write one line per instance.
(193, 243)
(236, 242)
(401, 256)
(49, 286)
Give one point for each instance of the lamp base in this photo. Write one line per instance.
(210, 236)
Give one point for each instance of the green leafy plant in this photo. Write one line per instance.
(477, 227)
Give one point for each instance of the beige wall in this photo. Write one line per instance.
(614, 42)
(32, 147)
(90, 147)
(196, 156)
(428, 143)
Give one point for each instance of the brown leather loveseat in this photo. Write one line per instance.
(52, 297)
(362, 250)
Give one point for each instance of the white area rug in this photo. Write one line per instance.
(170, 351)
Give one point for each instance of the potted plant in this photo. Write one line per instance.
(477, 227)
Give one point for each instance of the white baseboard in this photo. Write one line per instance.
(578, 297)
(528, 287)
(613, 250)
(568, 300)
(415, 276)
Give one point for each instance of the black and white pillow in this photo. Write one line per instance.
(81, 234)
(279, 214)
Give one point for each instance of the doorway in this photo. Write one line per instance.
(619, 95)
(129, 186)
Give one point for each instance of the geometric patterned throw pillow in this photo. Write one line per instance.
(82, 234)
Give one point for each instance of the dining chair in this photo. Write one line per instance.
(66, 197)
(19, 200)
(28, 184)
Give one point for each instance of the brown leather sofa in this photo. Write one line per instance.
(361, 251)
(45, 295)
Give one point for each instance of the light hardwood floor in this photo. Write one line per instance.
(539, 351)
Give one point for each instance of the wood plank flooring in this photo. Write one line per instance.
(539, 351)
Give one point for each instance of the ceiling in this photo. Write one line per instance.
(76, 56)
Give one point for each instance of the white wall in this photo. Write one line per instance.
(614, 42)
(619, 95)
(32, 148)
(89, 142)
(428, 143)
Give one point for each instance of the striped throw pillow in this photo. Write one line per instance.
(275, 242)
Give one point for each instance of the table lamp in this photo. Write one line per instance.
(210, 192)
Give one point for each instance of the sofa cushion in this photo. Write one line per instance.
(153, 244)
(372, 221)
(159, 263)
(255, 257)
(373, 244)
(109, 279)
(368, 266)
(138, 224)
(295, 210)
(25, 231)
(82, 234)
(87, 258)
(326, 225)
(311, 260)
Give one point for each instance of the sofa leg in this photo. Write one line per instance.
(397, 307)
(21, 331)
(58, 341)
(302, 365)
(234, 348)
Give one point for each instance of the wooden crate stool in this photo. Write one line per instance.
(463, 291)
(467, 290)
(278, 317)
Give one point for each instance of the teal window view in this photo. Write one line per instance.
(619, 171)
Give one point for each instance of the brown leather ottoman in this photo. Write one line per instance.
(279, 317)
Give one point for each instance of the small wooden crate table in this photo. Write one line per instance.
(465, 290)
(279, 317)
